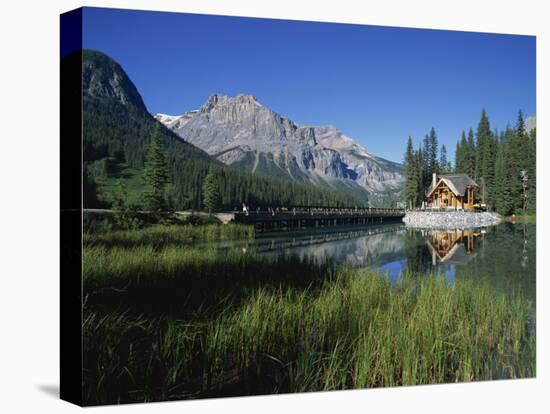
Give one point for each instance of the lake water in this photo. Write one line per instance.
(502, 255)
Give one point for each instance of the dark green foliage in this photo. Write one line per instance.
(413, 177)
(531, 161)
(96, 223)
(502, 197)
(512, 196)
(515, 161)
(211, 193)
(444, 165)
(470, 155)
(465, 157)
(426, 177)
(89, 191)
(527, 150)
(126, 216)
(433, 165)
(516, 154)
(461, 154)
(485, 158)
(102, 168)
(496, 162)
(201, 220)
(420, 171)
(123, 132)
(420, 166)
(430, 164)
(155, 175)
(237, 187)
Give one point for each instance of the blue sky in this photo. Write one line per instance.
(377, 84)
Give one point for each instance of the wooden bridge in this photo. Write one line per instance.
(299, 217)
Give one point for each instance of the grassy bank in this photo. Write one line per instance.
(164, 235)
(184, 280)
(339, 328)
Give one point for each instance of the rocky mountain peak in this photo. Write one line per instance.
(246, 99)
(240, 131)
(217, 99)
(102, 77)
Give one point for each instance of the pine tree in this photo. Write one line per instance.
(458, 157)
(512, 168)
(434, 147)
(421, 190)
(461, 154)
(520, 125)
(411, 176)
(443, 163)
(482, 130)
(500, 193)
(426, 169)
(496, 162)
(211, 193)
(470, 155)
(429, 158)
(521, 148)
(155, 174)
(486, 154)
(532, 171)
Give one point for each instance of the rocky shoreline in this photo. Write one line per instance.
(450, 219)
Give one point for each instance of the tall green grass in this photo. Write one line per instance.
(163, 235)
(186, 280)
(353, 330)
(166, 320)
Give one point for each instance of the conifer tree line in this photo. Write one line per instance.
(420, 165)
(503, 164)
(174, 171)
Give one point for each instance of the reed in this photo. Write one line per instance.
(353, 329)
(157, 236)
(184, 279)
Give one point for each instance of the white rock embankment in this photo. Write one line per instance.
(450, 219)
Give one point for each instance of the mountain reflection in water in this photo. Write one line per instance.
(503, 255)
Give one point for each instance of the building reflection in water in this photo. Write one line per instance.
(391, 249)
(452, 246)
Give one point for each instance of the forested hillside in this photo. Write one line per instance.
(502, 163)
(118, 129)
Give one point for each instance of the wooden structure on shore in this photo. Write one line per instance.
(452, 191)
(299, 217)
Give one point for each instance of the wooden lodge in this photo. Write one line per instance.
(452, 191)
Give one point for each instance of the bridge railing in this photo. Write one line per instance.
(301, 210)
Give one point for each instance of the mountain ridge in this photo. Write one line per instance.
(117, 130)
(103, 77)
(240, 131)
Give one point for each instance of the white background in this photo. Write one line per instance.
(29, 193)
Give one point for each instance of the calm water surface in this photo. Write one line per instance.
(502, 255)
